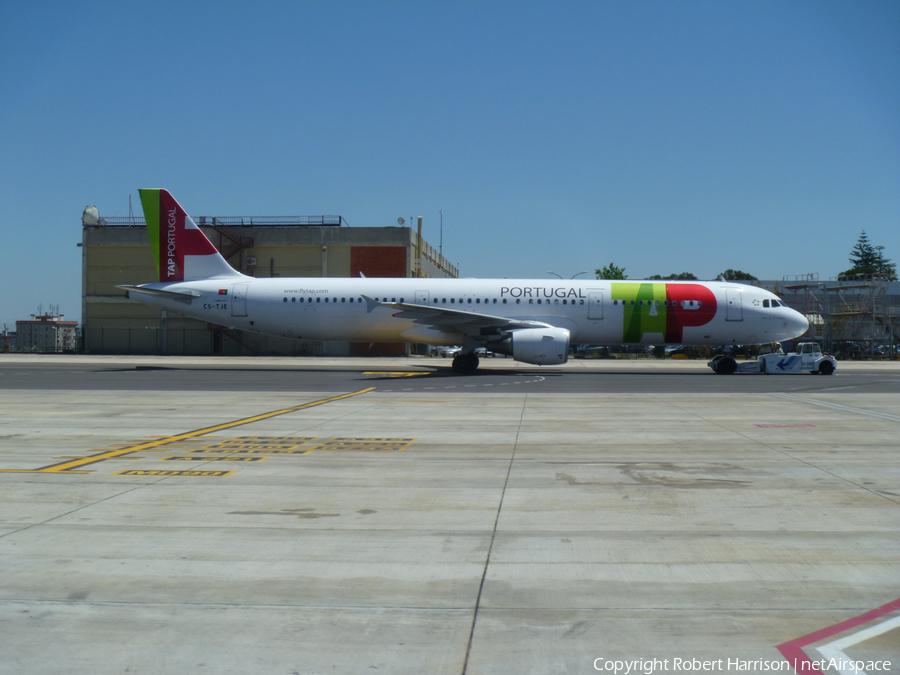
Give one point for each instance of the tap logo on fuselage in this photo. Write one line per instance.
(662, 309)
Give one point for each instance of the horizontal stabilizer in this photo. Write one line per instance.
(178, 296)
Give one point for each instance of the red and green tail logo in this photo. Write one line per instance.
(173, 235)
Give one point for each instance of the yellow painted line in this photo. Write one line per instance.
(37, 471)
(67, 467)
(229, 458)
(399, 373)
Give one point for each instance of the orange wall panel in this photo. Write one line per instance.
(378, 261)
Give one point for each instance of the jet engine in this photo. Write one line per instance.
(538, 346)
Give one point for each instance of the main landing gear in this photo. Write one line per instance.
(465, 364)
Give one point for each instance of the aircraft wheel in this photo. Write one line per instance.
(826, 368)
(726, 366)
(464, 364)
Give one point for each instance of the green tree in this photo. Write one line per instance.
(684, 276)
(869, 259)
(611, 272)
(863, 254)
(884, 266)
(737, 275)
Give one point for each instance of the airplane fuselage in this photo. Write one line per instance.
(594, 312)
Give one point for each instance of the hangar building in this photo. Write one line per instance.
(117, 251)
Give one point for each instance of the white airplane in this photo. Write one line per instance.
(534, 321)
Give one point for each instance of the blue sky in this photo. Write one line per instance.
(662, 136)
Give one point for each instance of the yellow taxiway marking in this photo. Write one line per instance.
(72, 466)
(399, 373)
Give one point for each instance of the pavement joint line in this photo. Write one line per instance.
(487, 560)
(772, 448)
(838, 406)
(71, 466)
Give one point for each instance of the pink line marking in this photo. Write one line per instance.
(793, 650)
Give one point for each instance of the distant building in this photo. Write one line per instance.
(46, 334)
(117, 251)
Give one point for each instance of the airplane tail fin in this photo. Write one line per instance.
(181, 250)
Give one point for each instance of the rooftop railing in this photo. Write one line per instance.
(238, 221)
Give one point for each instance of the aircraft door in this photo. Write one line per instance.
(421, 297)
(734, 310)
(595, 304)
(239, 299)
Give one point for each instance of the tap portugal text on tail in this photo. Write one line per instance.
(534, 321)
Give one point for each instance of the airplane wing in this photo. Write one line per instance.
(468, 323)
